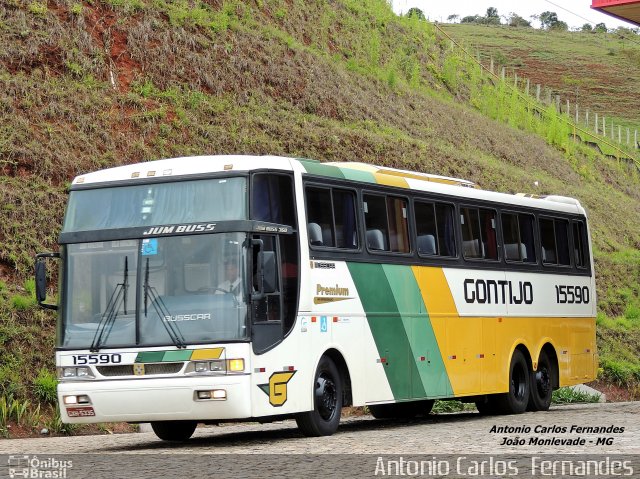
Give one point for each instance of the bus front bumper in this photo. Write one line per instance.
(144, 400)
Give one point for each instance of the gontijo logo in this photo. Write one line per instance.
(276, 389)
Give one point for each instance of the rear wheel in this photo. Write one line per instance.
(323, 420)
(174, 430)
(541, 385)
(516, 400)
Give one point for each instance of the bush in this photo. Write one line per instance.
(45, 387)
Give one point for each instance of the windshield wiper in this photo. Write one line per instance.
(118, 297)
(161, 310)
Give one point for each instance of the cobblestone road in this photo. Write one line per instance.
(466, 432)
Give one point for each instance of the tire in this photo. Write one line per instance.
(541, 385)
(403, 410)
(323, 420)
(174, 430)
(517, 399)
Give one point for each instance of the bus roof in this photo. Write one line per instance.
(355, 171)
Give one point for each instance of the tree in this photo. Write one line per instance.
(601, 28)
(416, 12)
(515, 20)
(492, 17)
(548, 19)
(453, 18)
(472, 19)
(587, 28)
(559, 26)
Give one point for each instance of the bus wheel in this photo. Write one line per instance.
(541, 385)
(327, 400)
(174, 430)
(516, 400)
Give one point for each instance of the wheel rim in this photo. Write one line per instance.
(543, 382)
(326, 396)
(518, 385)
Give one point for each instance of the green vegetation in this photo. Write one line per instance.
(338, 81)
(570, 396)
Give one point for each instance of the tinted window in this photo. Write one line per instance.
(517, 232)
(479, 233)
(386, 223)
(580, 245)
(331, 216)
(554, 239)
(434, 226)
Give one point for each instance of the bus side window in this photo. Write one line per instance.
(517, 233)
(479, 233)
(554, 239)
(434, 224)
(272, 199)
(267, 308)
(320, 221)
(386, 223)
(580, 246)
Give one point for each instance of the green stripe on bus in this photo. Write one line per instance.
(183, 355)
(150, 357)
(357, 175)
(316, 168)
(386, 325)
(431, 379)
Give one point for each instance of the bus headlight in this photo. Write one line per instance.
(235, 365)
(220, 366)
(75, 373)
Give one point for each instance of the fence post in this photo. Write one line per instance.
(635, 139)
(613, 137)
(538, 92)
(568, 112)
(515, 79)
(596, 123)
(619, 134)
(503, 73)
(527, 90)
(586, 116)
(491, 65)
(549, 101)
(577, 117)
(558, 103)
(628, 136)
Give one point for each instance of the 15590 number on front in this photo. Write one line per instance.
(105, 358)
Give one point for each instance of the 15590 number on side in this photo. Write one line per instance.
(105, 358)
(572, 294)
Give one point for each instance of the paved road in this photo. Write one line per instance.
(460, 433)
(441, 434)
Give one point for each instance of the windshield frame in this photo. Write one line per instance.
(137, 306)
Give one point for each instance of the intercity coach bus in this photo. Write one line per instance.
(220, 288)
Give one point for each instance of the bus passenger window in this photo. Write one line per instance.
(331, 216)
(386, 223)
(479, 233)
(434, 223)
(517, 233)
(580, 246)
(554, 239)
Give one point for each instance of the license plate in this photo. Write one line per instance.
(80, 412)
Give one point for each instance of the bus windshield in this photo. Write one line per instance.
(176, 290)
(191, 201)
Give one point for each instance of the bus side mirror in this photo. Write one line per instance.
(269, 278)
(41, 279)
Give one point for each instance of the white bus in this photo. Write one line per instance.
(220, 288)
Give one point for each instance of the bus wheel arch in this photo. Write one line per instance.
(327, 388)
(338, 359)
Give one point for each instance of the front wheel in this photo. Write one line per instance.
(323, 420)
(541, 385)
(174, 430)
